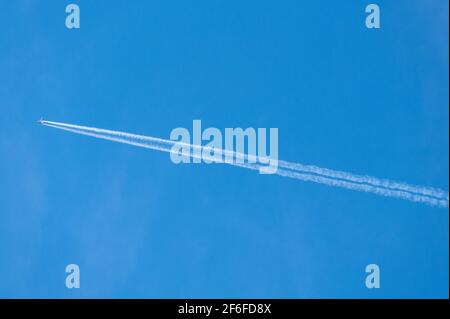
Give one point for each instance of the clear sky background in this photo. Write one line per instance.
(343, 97)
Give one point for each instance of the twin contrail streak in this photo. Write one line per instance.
(384, 187)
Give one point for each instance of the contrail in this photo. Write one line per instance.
(384, 187)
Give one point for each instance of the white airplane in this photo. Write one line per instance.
(40, 120)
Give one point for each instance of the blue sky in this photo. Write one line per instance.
(342, 96)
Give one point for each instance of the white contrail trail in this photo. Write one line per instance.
(427, 195)
(365, 179)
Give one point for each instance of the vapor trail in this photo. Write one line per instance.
(384, 187)
(430, 191)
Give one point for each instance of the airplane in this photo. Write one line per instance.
(40, 121)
